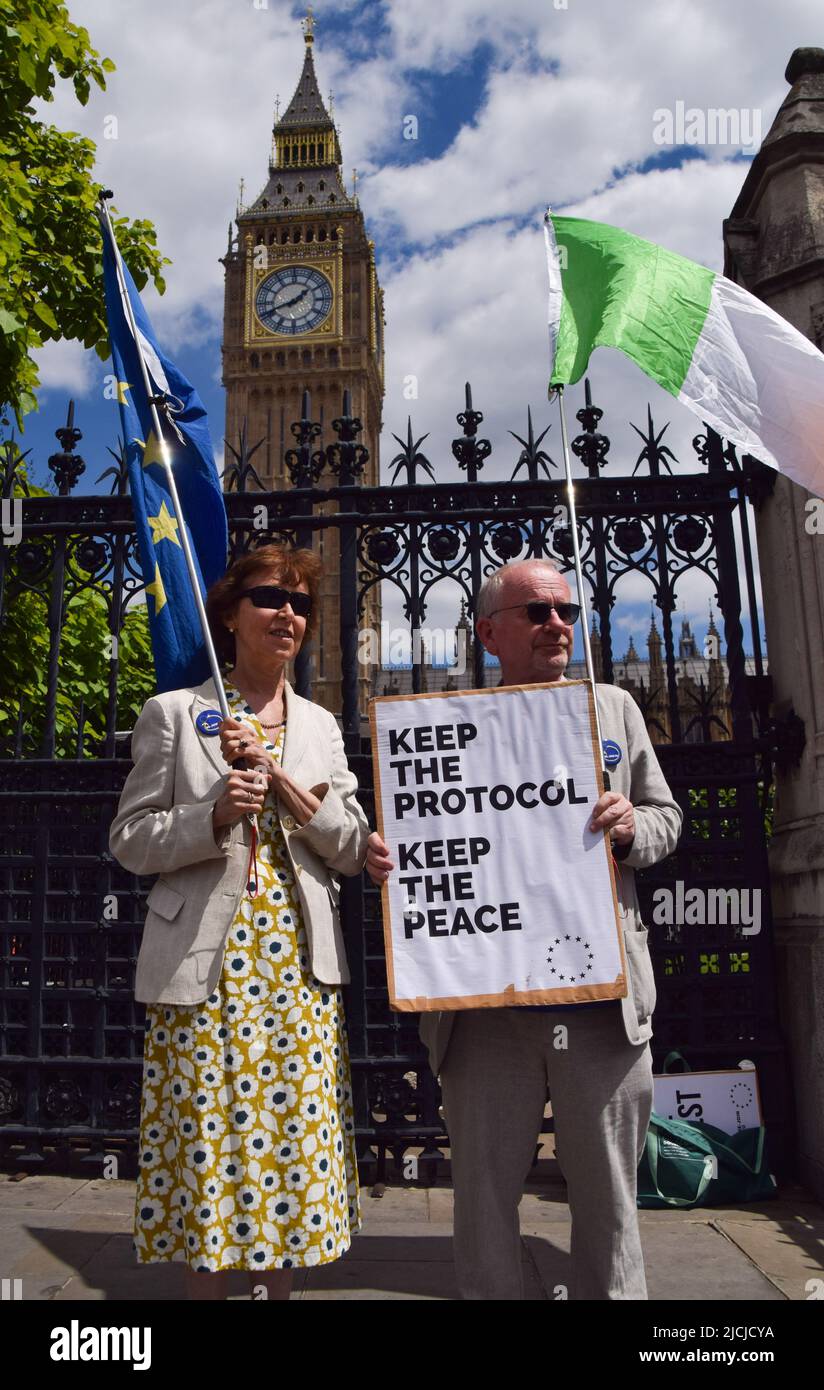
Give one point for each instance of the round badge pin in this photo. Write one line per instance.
(612, 753)
(208, 723)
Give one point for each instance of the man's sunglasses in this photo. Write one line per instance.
(273, 596)
(538, 612)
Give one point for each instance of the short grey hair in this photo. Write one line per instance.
(490, 590)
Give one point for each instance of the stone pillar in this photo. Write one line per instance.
(774, 246)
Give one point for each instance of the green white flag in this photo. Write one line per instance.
(724, 354)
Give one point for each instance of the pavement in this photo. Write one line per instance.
(69, 1238)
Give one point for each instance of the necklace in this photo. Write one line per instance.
(279, 723)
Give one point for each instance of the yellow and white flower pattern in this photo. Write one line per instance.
(247, 1133)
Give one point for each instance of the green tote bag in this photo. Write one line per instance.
(689, 1163)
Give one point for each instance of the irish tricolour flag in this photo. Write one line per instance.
(737, 364)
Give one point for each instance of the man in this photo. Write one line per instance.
(495, 1065)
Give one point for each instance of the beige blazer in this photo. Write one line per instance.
(163, 826)
(657, 827)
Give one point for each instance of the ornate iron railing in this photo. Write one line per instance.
(70, 1031)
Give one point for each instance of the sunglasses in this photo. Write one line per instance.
(538, 612)
(274, 596)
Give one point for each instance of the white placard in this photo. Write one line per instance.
(729, 1100)
(500, 894)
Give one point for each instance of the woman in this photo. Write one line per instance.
(247, 1152)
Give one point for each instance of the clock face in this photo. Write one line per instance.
(293, 300)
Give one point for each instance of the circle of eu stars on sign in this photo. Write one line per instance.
(570, 977)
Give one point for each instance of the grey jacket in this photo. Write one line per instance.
(657, 826)
(163, 826)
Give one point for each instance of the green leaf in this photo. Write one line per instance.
(44, 313)
(50, 251)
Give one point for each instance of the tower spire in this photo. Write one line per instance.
(305, 135)
(305, 162)
(309, 26)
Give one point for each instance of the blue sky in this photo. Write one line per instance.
(544, 103)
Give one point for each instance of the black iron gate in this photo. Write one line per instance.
(70, 1031)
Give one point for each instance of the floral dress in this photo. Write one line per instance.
(247, 1134)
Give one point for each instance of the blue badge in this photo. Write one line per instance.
(209, 722)
(612, 753)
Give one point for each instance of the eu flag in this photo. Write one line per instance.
(179, 650)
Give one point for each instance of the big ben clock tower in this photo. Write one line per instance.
(303, 310)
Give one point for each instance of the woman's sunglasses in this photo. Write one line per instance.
(273, 596)
(538, 612)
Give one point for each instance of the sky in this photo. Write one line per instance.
(543, 103)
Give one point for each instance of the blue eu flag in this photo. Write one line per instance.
(179, 650)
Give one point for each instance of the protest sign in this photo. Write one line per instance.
(500, 893)
(730, 1100)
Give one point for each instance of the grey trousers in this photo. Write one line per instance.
(494, 1079)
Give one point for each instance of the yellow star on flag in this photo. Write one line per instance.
(122, 388)
(151, 451)
(157, 591)
(164, 525)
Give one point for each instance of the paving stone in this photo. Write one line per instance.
(791, 1257)
(47, 1258)
(539, 1207)
(692, 1261)
(682, 1263)
(403, 1242)
(397, 1204)
(70, 1239)
(371, 1279)
(114, 1275)
(354, 1278)
(44, 1192)
(48, 1242)
(105, 1194)
(441, 1204)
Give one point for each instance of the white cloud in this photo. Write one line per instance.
(67, 366)
(194, 91)
(476, 310)
(567, 115)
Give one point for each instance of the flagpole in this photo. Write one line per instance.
(239, 763)
(579, 580)
(555, 297)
